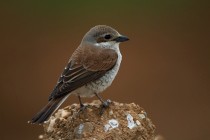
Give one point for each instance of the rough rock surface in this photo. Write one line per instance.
(119, 122)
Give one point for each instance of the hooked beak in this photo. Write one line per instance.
(121, 38)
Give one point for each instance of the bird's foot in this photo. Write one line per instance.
(104, 106)
(82, 108)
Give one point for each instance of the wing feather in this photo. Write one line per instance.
(83, 69)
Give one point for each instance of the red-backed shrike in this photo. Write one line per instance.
(90, 70)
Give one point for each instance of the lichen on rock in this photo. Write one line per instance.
(119, 122)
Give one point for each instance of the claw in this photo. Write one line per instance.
(82, 108)
(104, 106)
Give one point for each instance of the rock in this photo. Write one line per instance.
(120, 121)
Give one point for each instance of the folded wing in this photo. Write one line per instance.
(86, 65)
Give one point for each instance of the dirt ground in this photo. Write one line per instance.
(119, 122)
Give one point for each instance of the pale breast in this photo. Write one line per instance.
(101, 84)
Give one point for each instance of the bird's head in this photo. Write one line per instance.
(103, 36)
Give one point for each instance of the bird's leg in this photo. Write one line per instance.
(82, 106)
(105, 104)
(80, 102)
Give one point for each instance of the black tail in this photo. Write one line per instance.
(47, 111)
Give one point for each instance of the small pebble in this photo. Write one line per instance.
(80, 129)
(110, 112)
(41, 136)
(121, 104)
(113, 123)
(131, 123)
(141, 116)
(106, 127)
(138, 122)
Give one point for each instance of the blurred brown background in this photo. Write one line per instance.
(165, 68)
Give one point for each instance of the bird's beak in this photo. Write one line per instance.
(121, 38)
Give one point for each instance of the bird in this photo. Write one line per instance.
(90, 70)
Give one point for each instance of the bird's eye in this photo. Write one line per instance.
(107, 36)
